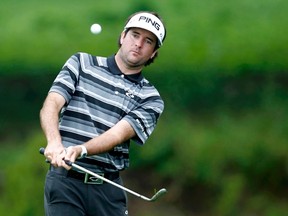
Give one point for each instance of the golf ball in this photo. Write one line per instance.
(95, 28)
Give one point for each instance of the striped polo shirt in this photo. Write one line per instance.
(98, 95)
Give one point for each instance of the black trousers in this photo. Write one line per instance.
(66, 196)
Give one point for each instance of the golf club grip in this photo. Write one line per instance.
(42, 150)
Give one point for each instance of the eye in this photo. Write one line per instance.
(135, 35)
(149, 41)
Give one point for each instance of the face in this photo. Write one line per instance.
(137, 47)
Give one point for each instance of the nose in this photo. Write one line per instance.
(139, 42)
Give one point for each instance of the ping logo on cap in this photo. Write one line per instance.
(148, 22)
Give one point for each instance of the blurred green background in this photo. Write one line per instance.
(220, 147)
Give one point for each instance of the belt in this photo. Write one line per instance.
(85, 177)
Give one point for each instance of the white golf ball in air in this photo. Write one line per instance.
(95, 28)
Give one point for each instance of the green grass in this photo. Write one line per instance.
(236, 158)
(201, 35)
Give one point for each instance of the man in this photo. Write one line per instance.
(104, 103)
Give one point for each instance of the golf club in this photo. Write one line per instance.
(74, 165)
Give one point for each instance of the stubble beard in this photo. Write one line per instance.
(132, 62)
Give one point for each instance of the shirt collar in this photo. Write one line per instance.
(114, 69)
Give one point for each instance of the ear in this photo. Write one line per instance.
(153, 54)
(123, 34)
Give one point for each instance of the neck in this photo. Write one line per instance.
(125, 67)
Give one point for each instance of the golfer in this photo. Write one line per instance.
(95, 106)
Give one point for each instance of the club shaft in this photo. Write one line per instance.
(156, 195)
(110, 182)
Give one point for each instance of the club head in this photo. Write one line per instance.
(159, 193)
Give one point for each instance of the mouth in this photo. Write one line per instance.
(135, 52)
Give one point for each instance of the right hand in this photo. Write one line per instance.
(55, 153)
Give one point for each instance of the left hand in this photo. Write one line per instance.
(72, 153)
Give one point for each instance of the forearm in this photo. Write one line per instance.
(118, 134)
(49, 124)
(49, 118)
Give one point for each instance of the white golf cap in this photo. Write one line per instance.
(149, 22)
